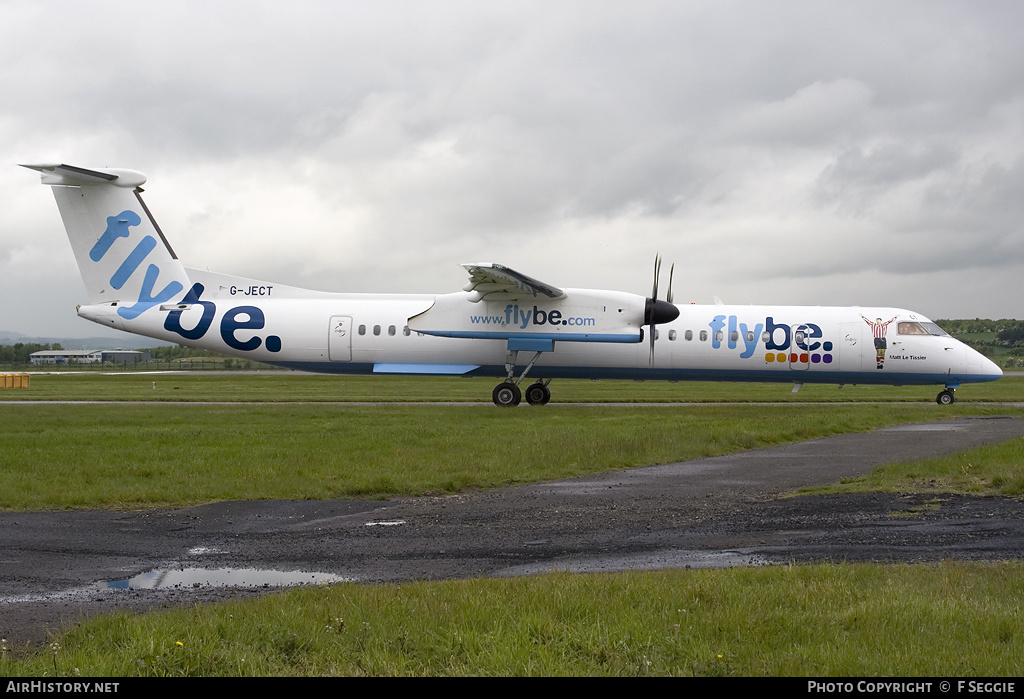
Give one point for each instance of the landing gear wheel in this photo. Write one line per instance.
(538, 394)
(946, 397)
(506, 395)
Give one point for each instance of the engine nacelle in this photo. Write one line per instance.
(582, 315)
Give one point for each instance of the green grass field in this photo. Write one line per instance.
(296, 387)
(949, 619)
(941, 620)
(96, 455)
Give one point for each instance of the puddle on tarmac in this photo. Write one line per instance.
(195, 578)
(655, 560)
(185, 579)
(928, 427)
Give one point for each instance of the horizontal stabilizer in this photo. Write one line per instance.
(77, 176)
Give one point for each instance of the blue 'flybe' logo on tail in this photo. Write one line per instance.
(118, 227)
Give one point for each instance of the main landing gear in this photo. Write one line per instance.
(538, 393)
(947, 397)
(507, 394)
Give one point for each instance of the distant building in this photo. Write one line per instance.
(125, 356)
(87, 357)
(66, 357)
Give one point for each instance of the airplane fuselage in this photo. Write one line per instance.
(370, 333)
(500, 319)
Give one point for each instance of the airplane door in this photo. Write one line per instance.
(799, 359)
(339, 341)
(852, 346)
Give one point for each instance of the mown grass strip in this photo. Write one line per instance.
(948, 619)
(989, 470)
(297, 387)
(71, 456)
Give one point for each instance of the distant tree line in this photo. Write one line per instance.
(19, 352)
(1008, 332)
(168, 353)
(191, 355)
(956, 328)
(1011, 336)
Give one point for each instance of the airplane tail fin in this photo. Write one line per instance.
(122, 254)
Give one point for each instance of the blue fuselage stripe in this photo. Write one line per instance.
(563, 337)
(654, 374)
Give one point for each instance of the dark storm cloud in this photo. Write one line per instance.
(781, 142)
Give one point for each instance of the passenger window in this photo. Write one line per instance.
(688, 335)
(671, 335)
(405, 331)
(391, 330)
(376, 330)
(719, 336)
(703, 335)
(362, 329)
(750, 336)
(734, 335)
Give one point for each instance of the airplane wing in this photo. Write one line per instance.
(498, 282)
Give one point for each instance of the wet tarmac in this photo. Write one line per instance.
(56, 567)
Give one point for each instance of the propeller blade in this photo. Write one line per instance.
(657, 311)
(657, 273)
(654, 298)
(650, 360)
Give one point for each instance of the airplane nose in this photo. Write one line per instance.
(992, 369)
(979, 364)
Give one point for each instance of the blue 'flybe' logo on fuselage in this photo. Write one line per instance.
(237, 318)
(804, 341)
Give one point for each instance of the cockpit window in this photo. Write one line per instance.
(911, 328)
(915, 328)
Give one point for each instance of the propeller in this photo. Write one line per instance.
(656, 311)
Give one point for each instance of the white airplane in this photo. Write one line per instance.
(136, 283)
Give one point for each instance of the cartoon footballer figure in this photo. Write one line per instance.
(878, 329)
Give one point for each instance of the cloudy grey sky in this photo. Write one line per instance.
(812, 152)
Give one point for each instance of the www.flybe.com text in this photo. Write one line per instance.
(515, 316)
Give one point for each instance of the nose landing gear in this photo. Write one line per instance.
(946, 397)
